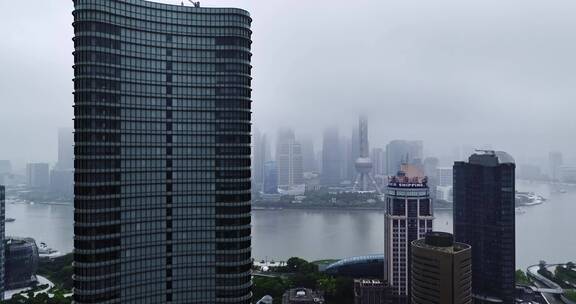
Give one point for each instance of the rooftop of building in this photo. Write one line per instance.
(369, 282)
(440, 241)
(296, 295)
(490, 158)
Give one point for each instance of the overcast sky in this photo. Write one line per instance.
(449, 72)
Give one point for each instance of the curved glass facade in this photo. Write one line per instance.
(21, 262)
(162, 148)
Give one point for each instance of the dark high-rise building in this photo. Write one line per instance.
(2, 236)
(331, 158)
(21, 262)
(441, 270)
(162, 153)
(484, 214)
(409, 216)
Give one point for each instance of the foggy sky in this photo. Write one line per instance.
(449, 72)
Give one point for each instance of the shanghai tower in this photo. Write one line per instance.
(162, 98)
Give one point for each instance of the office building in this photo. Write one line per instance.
(400, 152)
(270, 184)
(484, 199)
(162, 153)
(65, 149)
(2, 237)
(409, 216)
(441, 270)
(331, 158)
(38, 176)
(289, 160)
(556, 160)
(371, 291)
(21, 263)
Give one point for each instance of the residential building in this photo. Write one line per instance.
(484, 218)
(38, 176)
(409, 216)
(162, 153)
(441, 270)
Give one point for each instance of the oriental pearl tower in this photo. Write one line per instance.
(363, 164)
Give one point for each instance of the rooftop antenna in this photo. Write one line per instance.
(195, 3)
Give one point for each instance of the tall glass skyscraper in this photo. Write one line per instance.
(484, 218)
(162, 153)
(409, 216)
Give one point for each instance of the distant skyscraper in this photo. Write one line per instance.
(2, 236)
(260, 151)
(378, 157)
(270, 184)
(441, 270)
(289, 159)
(38, 175)
(445, 176)
(409, 216)
(162, 182)
(65, 149)
(353, 153)
(331, 158)
(308, 156)
(484, 199)
(556, 161)
(363, 163)
(399, 152)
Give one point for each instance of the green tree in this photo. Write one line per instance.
(521, 277)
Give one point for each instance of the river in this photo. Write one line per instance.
(542, 232)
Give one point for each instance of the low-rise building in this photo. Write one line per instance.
(371, 291)
(302, 296)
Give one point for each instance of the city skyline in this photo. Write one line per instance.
(282, 98)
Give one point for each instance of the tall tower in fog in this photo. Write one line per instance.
(363, 163)
(484, 218)
(289, 159)
(162, 183)
(331, 158)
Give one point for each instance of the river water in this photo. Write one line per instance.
(542, 232)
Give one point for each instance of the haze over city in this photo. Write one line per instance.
(448, 72)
